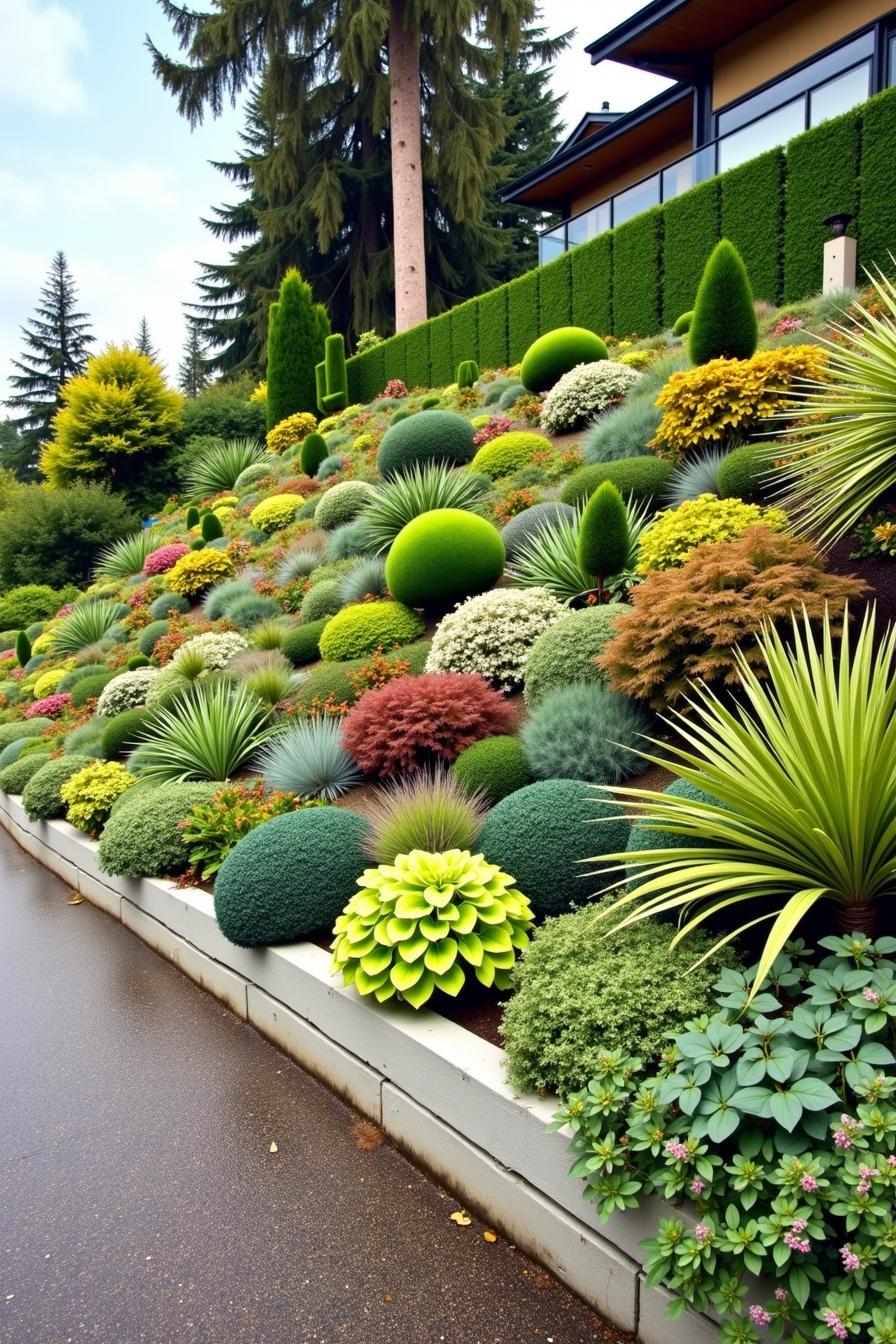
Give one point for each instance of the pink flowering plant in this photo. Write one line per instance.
(50, 707)
(774, 1121)
(163, 559)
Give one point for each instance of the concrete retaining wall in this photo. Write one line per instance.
(438, 1091)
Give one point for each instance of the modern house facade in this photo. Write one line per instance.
(748, 78)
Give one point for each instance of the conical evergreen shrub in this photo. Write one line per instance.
(724, 323)
(312, 452)
(603, 546)
(297, 329)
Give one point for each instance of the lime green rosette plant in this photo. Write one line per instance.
(423, 922)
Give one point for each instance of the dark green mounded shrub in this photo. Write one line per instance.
(146, 640)
(342, 503)
(604, 538)
(290, 877)
(30, 602)
(78, 674)
(496, 767)
(757, 233)
(312, 451)
(742, 472)
(335, 680)
(192, 516)
(23, 648)
(428, 436)
(367, 626)
(137, 660)
(690, 232)
(302, 645)
(442, 557)
(555, 294)
(142, 837)
(592, 284)
(878, 213)
(523, 315)
(579, 994)
(52, 537)
(585, 731)
(493, 352)
(23, 729)
(197, 544)
(555, 353)
(321, 601)
(15, 777)
(642, 836)
(543, 833)
(642, 478)
(122, 733)
(41, 798)
(211, 527)
(524, 526)
(250, 608)
(565, 653)
(89, 688)
(682, 324)
(637, 267)
(822, 179)
(724, 324)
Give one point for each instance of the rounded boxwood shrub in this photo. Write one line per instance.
(290, 877)
(78, 674)
(367, 626)
(165, 604)
(642, 478)
(565, 653)
(91, 688)
(524, 526)
(555, 353)
(322, 600)
(41, 798)
(544, 832)
(121, 733)
(743, 470)
(579, 994)
(146, 640)
(142, 837)
(585, 732)
(508, 452)
(275, 512)
(428, 436)
(496, 767)
(15, 777)
(342, 503)
(444, 556)
(302, 645)
(21, 729)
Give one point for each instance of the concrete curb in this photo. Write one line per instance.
(438, 1091)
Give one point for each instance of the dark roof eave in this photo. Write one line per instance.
(592, 144)
(605, 48)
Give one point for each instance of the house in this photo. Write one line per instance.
(748, 77)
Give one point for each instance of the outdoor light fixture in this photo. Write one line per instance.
(839, 255)
(838, 223)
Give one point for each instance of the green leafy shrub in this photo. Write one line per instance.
(209, 733)
(724, 323)
(21, 729)
(584, 732)
(566, 652)
(401, 935)
(30, 602)
(41, 798)
(136, 661)
(211, 528)
(122, 733)
(290, 877)
(429, 811)
(508, 452)
(495, 767)
(428, 436)
(302, 645)
(51, 537)
(90, 794)
(493, 633)
(343, 683)
(555, 353)
(146, 640)
(442, 557)
(584, 392)
(90, 688)
(251, 477)
(143, 836)
(641, 478)
(342, 503)
(15, 777)
(308, 759)
(546, 832)
(321, 601)
(579, 996)
(675, 533)
(212, 829)
(297, 329)
(367, 626)
(743, 471)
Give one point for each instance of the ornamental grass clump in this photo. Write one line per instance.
(430, 811)
(426, 922)
(88, 623)
(221, 465)
(125, 557)
(267, 673)
(90, 794)
(423, 487)
(584, 392)
(492, 635)
(308, 759)
(208, 733)
(584, 732)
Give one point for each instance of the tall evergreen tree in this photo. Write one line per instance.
(15, 453)
(193, 375)
(324, 65)
(144, 340)
(297, 330)
(57, 341)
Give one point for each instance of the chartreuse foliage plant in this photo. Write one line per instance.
(198, 570)
(508, 452)
(90, 793)
(368, 626)
(723, 324)
(774, 1116)
(428, 921)
(214, 826)
(275, 512)
(804, 774)
(208, 733)
(675, 533)
(443, 556)
(290, 431)
(555, 353)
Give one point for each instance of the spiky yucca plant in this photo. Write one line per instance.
(87, 624)
(126, 556)
(434, 485)
(308, 758)
(217, 469)
(209, 733)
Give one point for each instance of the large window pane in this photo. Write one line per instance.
(552, 245)
(790, 85)
(686, 173)
(636, 200)
(840, 94)
(891, 64)
(590, 224)
(775, 129)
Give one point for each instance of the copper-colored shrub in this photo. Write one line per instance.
(685, 622)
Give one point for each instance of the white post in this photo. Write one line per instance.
(839, 265)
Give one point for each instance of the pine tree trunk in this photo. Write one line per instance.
(407, 170)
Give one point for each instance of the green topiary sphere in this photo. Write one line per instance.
(146, 640)
(542, 834)
(342, 503)
(142, 837)
(744, 470)
(509, 452)
(555, 353)
(443, 556)
(302, 645)
(428, 436)
(566, 652)
(137, 660)
(642, 478)
(41, 798)
(320, 601)
(15, 777)
(290, 877)
(496, 766)
(121, 733)
(724, 324)
(366, 626)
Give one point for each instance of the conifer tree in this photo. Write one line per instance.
(144, 340)
(296, 335)
(57, 342)
(193, 375)
(724, 324)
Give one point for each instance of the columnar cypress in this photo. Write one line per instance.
(296, 335)
(724, 323)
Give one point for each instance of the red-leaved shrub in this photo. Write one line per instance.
(415, 721)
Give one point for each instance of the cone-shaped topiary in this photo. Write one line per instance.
(426, 921)
(312, 452)
(444, 556)
(297, 330)
(555, 353)
(23, 648)
(211, 527)
(724, 323)
(290, 877)
(428, 436)
(467, 373)
(604, 538)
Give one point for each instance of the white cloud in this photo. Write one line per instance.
(40, 44)
(94, 184)
(18, 192)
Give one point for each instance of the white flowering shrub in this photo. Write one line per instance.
(216, 650)
(586, 391)
(493, 633)
(129, 691)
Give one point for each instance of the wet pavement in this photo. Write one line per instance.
(140, 1202)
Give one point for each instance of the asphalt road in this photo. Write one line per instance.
(140, 1202)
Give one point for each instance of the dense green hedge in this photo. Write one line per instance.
(644, 273)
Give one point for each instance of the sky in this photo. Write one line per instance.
(96, 160)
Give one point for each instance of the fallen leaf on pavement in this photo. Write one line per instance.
(273, 1148)
(462, 1218)
(489, 1235)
